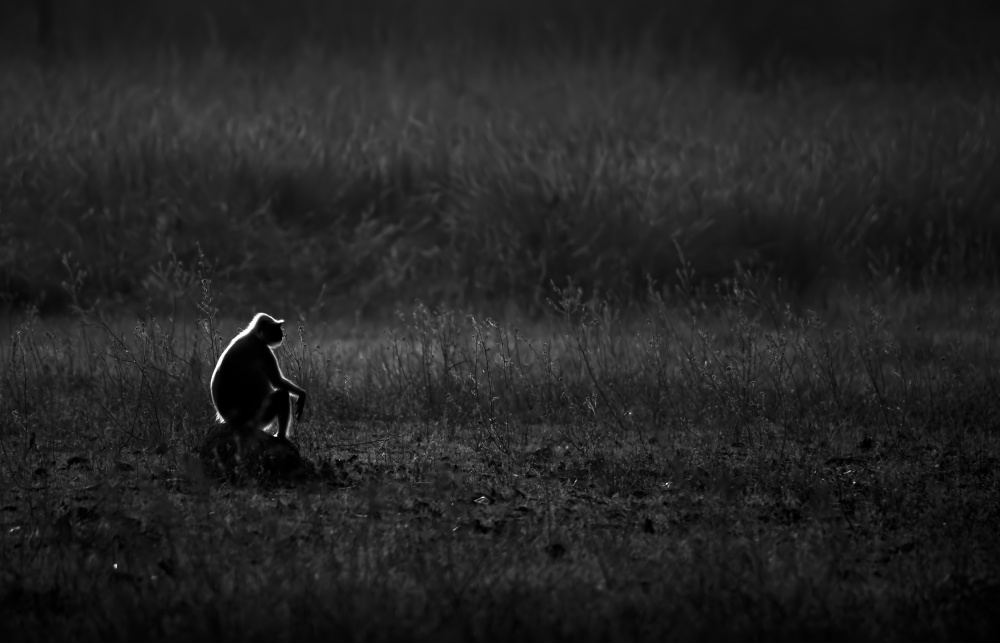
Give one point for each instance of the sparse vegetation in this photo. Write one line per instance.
(731, 471)
(611, 339)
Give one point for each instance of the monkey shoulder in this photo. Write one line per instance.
(248, 350)
(244, 361)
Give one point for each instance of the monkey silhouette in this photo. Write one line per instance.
(248, 388)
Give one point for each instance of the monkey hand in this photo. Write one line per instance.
(300, 404)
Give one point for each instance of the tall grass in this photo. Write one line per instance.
(355, 182)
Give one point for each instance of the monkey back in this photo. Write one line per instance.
(240, 384)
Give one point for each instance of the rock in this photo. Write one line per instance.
(240, 455)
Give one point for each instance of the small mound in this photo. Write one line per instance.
(241, 455)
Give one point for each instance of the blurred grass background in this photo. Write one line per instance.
(360, 155)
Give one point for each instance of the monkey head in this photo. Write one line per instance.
(268, 329)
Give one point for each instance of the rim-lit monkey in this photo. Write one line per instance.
(248, 389)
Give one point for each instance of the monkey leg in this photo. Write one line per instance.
(278, 405)
(240, 420)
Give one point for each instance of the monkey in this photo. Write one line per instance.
(248, 389)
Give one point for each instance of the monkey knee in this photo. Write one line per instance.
(277, 404)
(282, 399)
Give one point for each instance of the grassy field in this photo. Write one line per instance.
(733, 472)
(613, 326)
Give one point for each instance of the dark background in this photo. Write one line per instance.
(923, 34)
(447, 149)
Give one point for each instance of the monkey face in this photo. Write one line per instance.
(269, 331)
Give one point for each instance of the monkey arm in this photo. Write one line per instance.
(292, 388)
(279, 381)
(300, 394)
